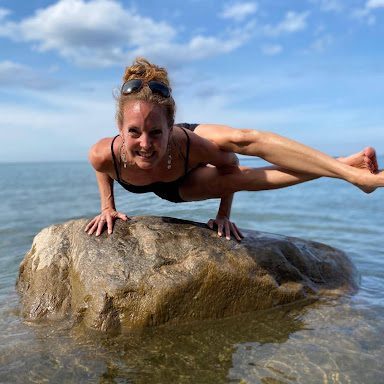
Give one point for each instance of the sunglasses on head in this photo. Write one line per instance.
(134, 85)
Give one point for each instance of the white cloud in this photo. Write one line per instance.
(101, 33)
(18, 75)
(198, 47)
(238, 11)
(4, 12)
(366, 13)
(322, 43)
(292, 22)
(329, 5)
(6, 29)
(372, 4)
(271, 49)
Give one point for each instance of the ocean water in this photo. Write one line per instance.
(331, 341)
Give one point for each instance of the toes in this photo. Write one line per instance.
(368, 163)
(370, 154)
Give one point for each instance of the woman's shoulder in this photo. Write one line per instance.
(195, 141)
(100, 155)
(188, 126)
(198, 148)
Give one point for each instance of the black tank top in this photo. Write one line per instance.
(166, 190)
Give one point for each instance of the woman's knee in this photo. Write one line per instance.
(243, 139)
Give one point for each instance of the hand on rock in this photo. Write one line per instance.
(106, 218)
(224, 224)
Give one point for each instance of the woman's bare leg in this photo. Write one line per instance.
(288, 154)
(207, 182)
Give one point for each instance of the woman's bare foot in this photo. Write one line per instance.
(365, 160)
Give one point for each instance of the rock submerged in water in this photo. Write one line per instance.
(154, 270)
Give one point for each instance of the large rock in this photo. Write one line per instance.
(153, 270)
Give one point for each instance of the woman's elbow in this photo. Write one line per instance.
(93, 157)
(230, 160)
(96, 157)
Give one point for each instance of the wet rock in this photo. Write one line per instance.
(154, 270)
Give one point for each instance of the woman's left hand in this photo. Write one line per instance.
(224, 224)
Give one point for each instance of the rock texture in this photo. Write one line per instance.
(153, 270)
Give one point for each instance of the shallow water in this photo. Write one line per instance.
(333, 341)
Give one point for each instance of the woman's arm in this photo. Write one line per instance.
(101, 162)
(204, 151)
(222, 220)
(105, 184)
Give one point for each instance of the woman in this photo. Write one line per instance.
(195, 162)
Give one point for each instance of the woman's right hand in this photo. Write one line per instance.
(106, 217)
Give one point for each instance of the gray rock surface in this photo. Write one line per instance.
(154, 270)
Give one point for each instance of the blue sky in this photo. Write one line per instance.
(312, 70)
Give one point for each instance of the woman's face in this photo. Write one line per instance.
(145, 133)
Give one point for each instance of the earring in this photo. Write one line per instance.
(169, 166)
(123, 155)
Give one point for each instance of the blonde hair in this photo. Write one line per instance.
(146, 71)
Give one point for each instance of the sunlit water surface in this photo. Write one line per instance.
(332, 341)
